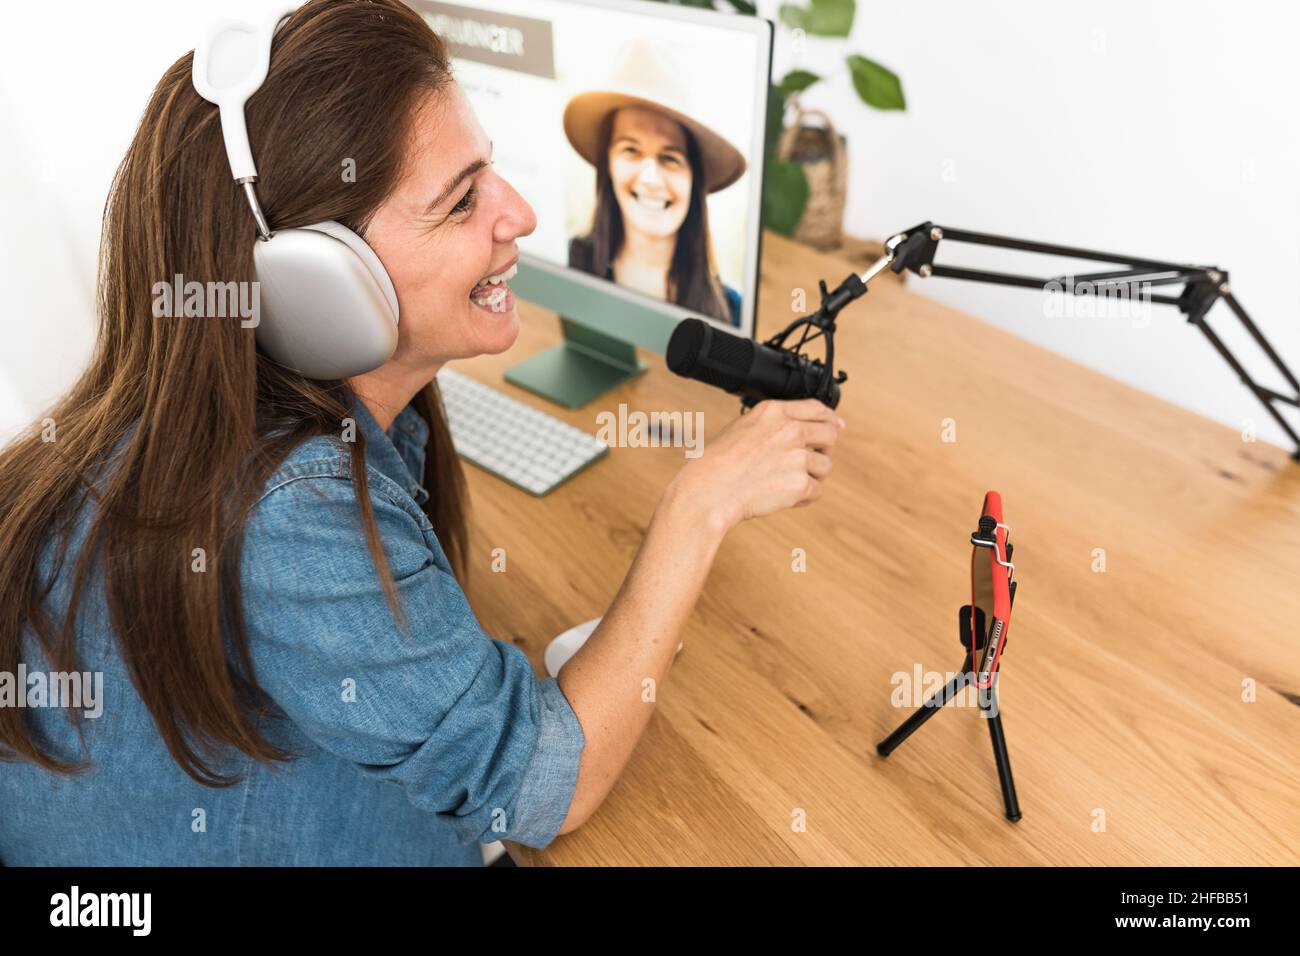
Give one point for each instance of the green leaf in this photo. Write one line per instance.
(743, 6)
(775, 118)
(876, 85)
(830, 18)
(792, 16)
(796, 81)
(785, 194)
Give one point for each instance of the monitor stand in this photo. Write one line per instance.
(586, 365)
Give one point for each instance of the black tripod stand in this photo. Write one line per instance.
(988, 703)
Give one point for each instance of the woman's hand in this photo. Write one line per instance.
(777, 456)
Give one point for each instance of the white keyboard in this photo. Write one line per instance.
(512, 440)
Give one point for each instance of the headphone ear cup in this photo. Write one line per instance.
(328, 309)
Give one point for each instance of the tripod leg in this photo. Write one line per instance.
(926, 711)
(1003, 760)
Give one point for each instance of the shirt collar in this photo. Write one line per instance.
(398, 452)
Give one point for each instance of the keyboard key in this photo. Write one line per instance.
(511, 439)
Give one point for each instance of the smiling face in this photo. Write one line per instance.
(649, 171)
(450, 224)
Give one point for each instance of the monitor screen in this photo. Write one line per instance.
(636, 132)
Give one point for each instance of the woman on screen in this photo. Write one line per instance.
(654, 167)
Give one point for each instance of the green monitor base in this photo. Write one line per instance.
(583, 367)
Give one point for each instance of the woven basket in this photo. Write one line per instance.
(820, 150)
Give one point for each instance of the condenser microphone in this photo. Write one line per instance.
(752, 370)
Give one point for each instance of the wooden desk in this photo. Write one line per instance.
(1122, 691)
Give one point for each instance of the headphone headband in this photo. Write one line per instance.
(230, 64)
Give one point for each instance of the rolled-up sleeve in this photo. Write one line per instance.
(457, 719)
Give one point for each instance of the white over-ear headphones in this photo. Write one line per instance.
(328, 308)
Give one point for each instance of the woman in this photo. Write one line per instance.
(655, 166)
(266, 569)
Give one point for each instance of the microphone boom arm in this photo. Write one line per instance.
(1203, 287)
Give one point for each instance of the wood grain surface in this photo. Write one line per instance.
(1126, 692)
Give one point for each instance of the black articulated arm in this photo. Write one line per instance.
(1202, 287)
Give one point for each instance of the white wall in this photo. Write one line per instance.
(74, 79)
(1158, 127)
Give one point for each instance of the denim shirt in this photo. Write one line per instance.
(413, 748)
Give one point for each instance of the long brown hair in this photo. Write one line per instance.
(192, 418)
(692, 282)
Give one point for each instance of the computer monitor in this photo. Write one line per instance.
(636, 130)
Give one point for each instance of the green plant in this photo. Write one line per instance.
(785, 193)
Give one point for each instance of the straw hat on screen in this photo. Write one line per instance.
(646, 79)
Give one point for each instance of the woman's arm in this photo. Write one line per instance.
(775, 457)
